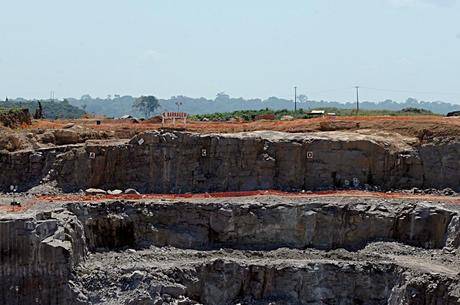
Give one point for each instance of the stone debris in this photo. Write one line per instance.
(94, 191)
(115, 192)
(132, 192)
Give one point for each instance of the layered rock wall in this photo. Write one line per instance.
(165, 162)
(230, 282)
(312, 283)
(37, 254)
(40, 251)
(299, 224)
(23, 170)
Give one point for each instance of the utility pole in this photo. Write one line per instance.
(357, 100)
(178, 104)
(295, 98)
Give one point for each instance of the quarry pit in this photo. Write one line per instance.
(260, 217)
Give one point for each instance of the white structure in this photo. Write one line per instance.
(317, 112)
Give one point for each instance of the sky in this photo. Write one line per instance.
(247, 48)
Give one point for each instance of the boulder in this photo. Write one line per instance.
(93, 191)
(47, 137)
(115, 192)
(66, 136)
(132, 192)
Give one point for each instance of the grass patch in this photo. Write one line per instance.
(250, 115)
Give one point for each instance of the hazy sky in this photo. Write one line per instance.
(249, 48)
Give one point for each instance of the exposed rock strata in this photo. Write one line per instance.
(177, 162)
(44, 256)
(159, 276)
(266, 224)
(37, 255)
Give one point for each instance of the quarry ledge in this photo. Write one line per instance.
(183, 162)
(252, 248)
(276, 277)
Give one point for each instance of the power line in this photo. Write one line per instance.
(329, 90)
(385, 90)
(295, 98)
(357, 100)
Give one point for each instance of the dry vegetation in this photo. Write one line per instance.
(415, 126)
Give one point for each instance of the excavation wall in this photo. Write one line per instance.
(40, 251)
(165, 162)
(37, 254)
(320, 282)
(266, 225)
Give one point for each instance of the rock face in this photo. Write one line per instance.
(281, 280)
(302, 283)
(296, 249)
(313, 283)
(301, 223)
(26, 169)
(43, 255)
(38, 254)
(177, 162)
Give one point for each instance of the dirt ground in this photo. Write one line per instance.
(408, 126)
(48, 133)
(30, 202)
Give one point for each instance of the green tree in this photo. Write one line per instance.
(146, 105)
(223, 97)
(302, 98)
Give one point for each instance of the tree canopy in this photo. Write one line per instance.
(146, 105)
(50, 109)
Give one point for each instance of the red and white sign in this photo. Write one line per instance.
(174, 116)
